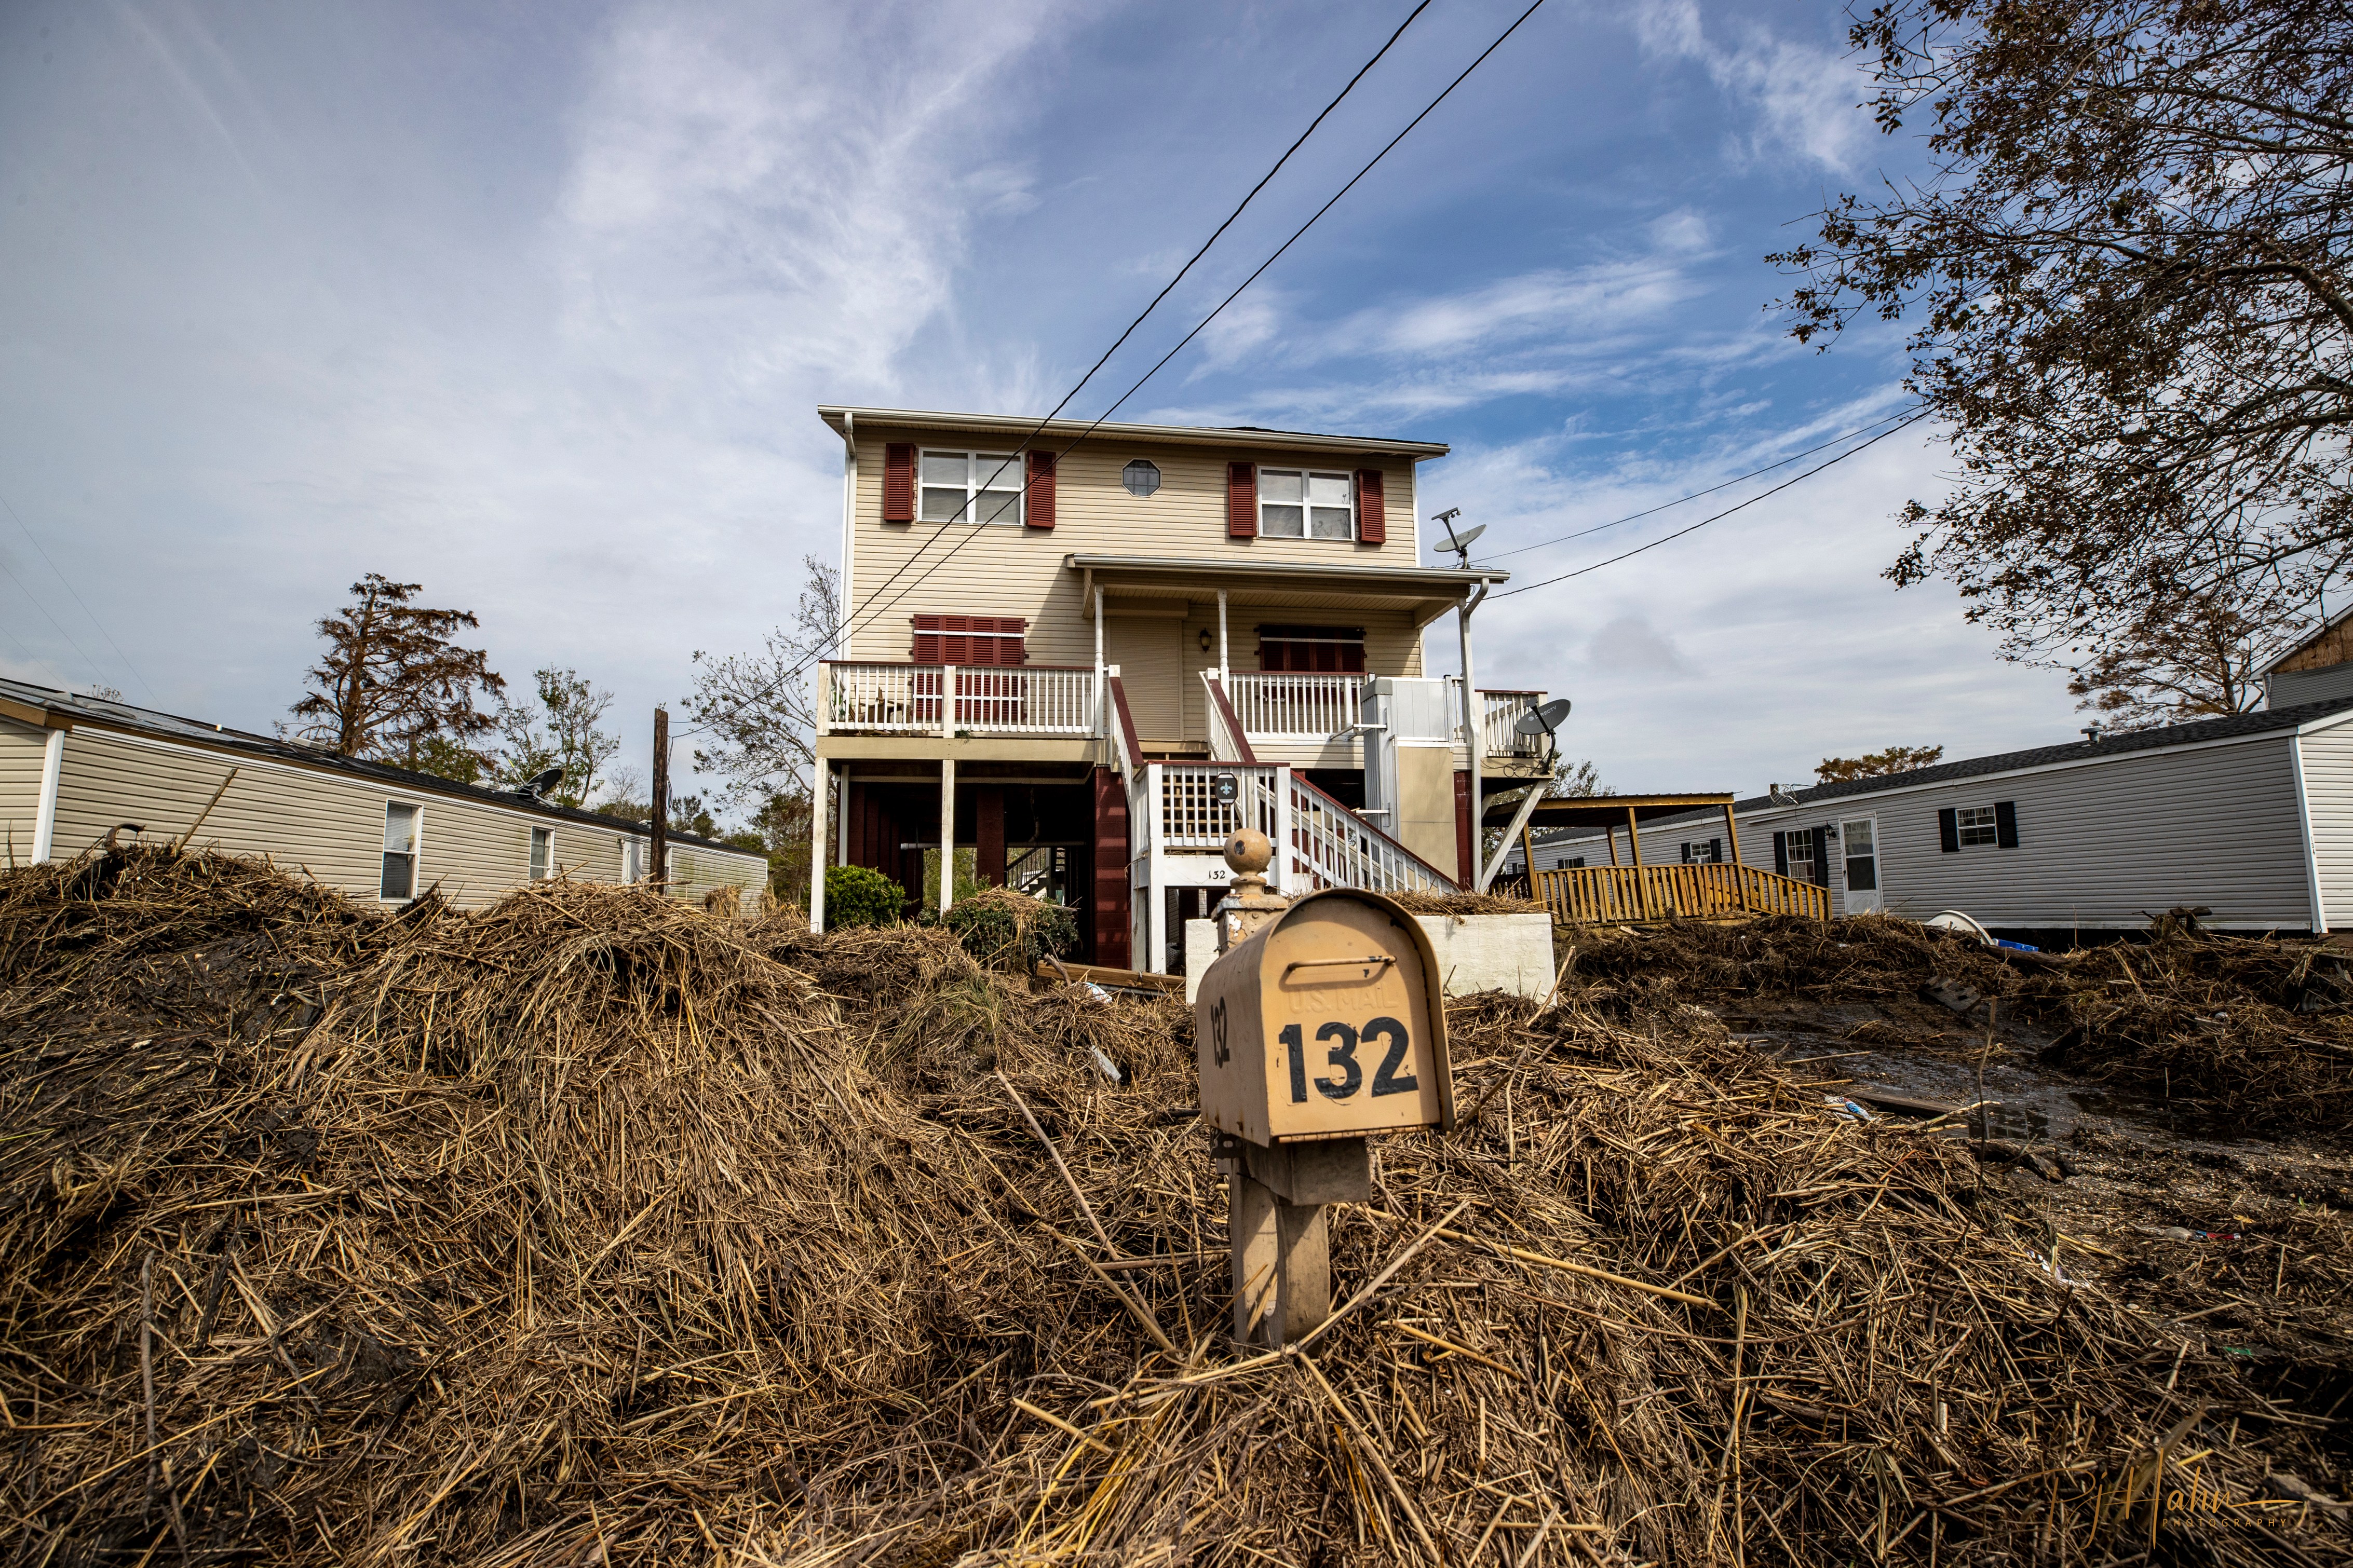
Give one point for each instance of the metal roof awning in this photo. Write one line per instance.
(843, 418)
(1597, 812)
(1424, 592)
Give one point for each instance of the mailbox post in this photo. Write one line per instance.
(1322, 1021)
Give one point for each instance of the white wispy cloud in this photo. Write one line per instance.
(1803, 97)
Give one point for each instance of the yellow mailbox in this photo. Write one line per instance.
(1328, 1022)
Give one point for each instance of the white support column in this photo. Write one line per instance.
(820, 786)
(1474, 743)
(948, 700)
(1155, 908)
(44, 815)
(1225, 660)
(1102, 686)
(1278, 872)
(947, 833)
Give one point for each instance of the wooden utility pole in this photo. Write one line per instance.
(660, 871)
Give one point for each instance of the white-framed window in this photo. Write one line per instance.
(1703, 852)
(543, 854)
(1978, 824)
(402, 822)
(1141, 477)
(1801, 855)
(970, 487)
(633, 860)
(1300, 503)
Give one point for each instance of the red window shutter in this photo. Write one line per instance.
(1241, 501)
(1372, 511)
(1038, 510)
(898, 482)
(966, 640)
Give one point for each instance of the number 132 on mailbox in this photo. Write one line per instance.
(1327, 1023)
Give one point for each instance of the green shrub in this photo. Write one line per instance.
(1008, 931)
(860, 896)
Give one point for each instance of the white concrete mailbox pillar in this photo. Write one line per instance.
(1321, 1022)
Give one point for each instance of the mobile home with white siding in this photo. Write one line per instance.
(2249, 815)
(75, 769)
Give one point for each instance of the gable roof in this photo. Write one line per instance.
(2198, 731)
(25, 702)
(2318, 632)
(1228, 435)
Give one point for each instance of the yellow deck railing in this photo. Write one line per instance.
(1596, 895)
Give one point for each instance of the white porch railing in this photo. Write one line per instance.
(1228, 742)
(1499, 714)
(1293, 705)
(987, 699)
(1189, 819)
(1332, 846)
(1180, 814)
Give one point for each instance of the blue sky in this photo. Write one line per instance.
(532, 303)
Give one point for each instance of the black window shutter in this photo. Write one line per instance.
(2005, 824)
(1781, 853)
(1822, 858)
(1686, 854)
(1949, 831)
(1715, 851)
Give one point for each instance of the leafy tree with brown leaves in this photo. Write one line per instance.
(2126, 282)
(392, 683)
(1876, 765)
(2181, 661)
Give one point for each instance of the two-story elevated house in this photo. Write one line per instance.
(1090, 658)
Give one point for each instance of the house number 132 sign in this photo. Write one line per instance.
(1388, 1079)
(1325, 1023)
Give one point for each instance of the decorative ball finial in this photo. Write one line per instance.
(1249, 852)
(1247, 905)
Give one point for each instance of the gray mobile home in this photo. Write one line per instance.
(2249, 815)
(74, 769)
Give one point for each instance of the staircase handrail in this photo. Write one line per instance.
(1224, 727)
(1315, 793)
(1130, 751)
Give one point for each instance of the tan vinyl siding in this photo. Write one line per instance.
(1006, 569)
(2101, 845)
(2328, 792)
(329, 826)
(21, 749)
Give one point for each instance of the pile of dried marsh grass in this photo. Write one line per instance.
(2242, 1031)
(1858, 958)
(2239, 1031)
(1466, 904)
(591, 1227)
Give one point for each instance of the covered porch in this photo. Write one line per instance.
(1276, 655)
(1712, 882)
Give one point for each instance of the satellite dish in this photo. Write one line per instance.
(1464, 539)
(544, 782)
(1543, 720)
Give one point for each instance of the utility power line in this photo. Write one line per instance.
(1129, 331)
(874, 611)
(1695, 495)
(1727, 511)
(77, 599)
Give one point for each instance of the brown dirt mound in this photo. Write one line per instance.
(592, 1227)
